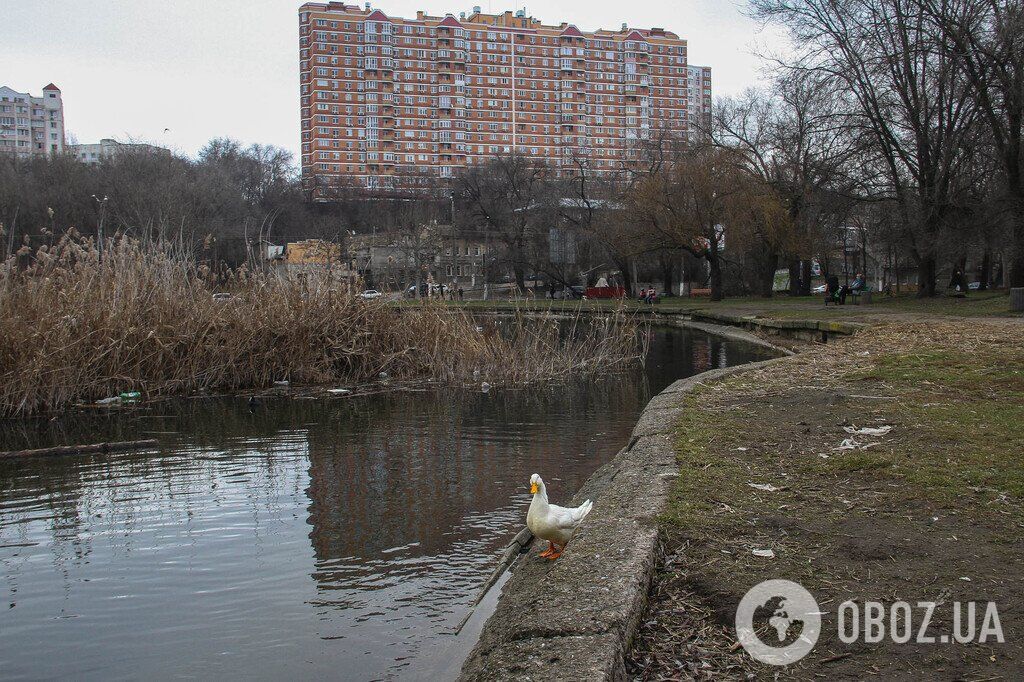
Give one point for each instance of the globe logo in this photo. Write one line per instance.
(789, 610)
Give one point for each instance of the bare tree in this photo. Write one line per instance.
(987, 36)
(512, 199)
(910, 97)
(798, 141)
(695, 197)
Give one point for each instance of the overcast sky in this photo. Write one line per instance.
(128, 69)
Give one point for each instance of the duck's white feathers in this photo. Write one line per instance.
(551, 522)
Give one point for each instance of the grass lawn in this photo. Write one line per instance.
(930, 510)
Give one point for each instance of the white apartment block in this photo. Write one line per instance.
(107, 148)
(31, 126)
(698, 95)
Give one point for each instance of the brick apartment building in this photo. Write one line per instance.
(387, 99)
(31, 126)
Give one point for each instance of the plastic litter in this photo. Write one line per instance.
(764, 553)
(868, 430)
(767, 487)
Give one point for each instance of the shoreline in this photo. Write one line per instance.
(677, 514)
(533, 630)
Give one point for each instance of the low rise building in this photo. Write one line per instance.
(108, 148)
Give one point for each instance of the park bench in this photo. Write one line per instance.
(694, 293)
(862, 296)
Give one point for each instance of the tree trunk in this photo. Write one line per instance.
(767, 271)
(667, 272)
(1015, 261)
(520, 272)
(806, 273)
(623, 265)
(716, 276)
(926, 273)
(986, 271)
(794, 277)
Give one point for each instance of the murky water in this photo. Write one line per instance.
(341, 539)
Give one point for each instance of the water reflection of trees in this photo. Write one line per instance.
(444, 457)
(384, 471)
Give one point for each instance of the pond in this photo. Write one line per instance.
(294, 538)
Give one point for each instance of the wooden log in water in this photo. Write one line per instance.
(519, 543)
(100, 448)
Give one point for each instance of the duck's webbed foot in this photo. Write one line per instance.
(549, 551)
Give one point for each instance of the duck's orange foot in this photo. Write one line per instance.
(556, 553)
(549, 551)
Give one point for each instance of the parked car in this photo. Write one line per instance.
(434, 290)
(573, 292)
(820, 289)
(370, 294)
(974, 286)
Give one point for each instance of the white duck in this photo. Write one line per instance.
(552, 523)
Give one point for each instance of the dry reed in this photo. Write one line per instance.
(75, 328)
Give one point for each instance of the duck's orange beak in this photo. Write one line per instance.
(534, 488)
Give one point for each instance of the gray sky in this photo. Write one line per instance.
(128, 69)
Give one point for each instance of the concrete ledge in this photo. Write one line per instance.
(714, 322)
(681, 320)
(809, 330)
(574, 619)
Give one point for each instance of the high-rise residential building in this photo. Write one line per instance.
(385, 98)
(699, 95)
(31, 125)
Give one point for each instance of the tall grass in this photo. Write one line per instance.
(75, 327)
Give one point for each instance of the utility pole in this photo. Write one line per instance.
(455, 248)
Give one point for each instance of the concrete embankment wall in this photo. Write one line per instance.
(715, 322)
(575, 618)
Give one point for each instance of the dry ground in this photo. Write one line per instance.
(931, 511)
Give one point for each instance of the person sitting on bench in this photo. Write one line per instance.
(833, 292)
(858, 285)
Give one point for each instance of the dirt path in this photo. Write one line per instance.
(929, 511)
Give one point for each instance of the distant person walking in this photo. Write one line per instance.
(957, 281)
(460, 293)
